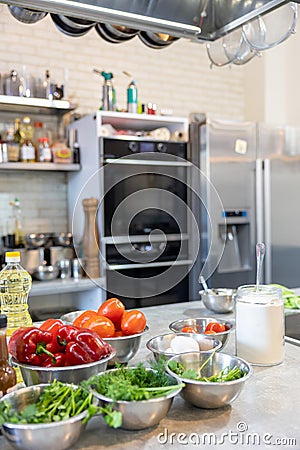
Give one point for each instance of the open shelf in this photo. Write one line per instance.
(40, 166)
(9, 103)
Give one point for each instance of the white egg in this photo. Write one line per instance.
(181, 344)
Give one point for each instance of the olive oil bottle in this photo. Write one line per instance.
(15, 284)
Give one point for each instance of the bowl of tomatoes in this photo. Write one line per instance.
(204, 325)
(122, 329)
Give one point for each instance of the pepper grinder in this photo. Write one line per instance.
(90, 240)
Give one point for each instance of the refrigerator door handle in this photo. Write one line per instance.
(259, 201)
(267, 220)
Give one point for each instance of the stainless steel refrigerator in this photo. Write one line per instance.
(248, 192)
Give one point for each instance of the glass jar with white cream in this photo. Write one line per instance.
(260, 325)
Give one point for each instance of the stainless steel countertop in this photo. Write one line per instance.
(64, 286)
(265, 410)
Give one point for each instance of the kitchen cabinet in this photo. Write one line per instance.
(10, 106)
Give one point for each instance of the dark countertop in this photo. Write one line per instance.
(265, 407)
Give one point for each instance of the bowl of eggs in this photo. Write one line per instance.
(170, 344)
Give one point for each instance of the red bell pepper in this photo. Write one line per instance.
(86, 347)
(59, 360)
(53, 326)
(67, 333)
(29, 345)
(76, 354)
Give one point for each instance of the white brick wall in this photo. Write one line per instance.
(178, 77)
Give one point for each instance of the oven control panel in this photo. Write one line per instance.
(116, 148)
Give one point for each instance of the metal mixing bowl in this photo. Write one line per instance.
(159, 345)
(47, 436)
(69, 374)
(45, 273)
(126, 346)
(221, 300)
(137, 415)
(200, 324)
(207, 394)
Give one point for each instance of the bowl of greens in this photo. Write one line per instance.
(212, 380)
(46, 416)
(135, 397)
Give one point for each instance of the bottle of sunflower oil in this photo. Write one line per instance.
(15, 284)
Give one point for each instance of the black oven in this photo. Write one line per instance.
(145, 227)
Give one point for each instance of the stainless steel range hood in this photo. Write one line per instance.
(198, 20)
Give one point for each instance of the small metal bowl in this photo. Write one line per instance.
(221, 300)
(210, 395)
(45, 273)
(126, 346)
(200, 324)
(69, 374)
(47, 436)
(138, 415)
(160, 345)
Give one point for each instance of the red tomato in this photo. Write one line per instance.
(113, 308)
(209, 332)
(84, 317)
(133, 322)
(188, 330)
(102, 325)
(216, 327)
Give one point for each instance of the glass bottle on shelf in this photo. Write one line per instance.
(8, 378)
(27, 151)
(18, 224)
(15, 284)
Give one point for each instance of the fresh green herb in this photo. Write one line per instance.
(132, 384)
(226, 374)
(57, 402)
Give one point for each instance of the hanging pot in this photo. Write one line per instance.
(69, 27)
(115, 33)
(156, 40)
(26, 15)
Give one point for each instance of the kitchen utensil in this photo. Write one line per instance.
(216, 53)
(68, 27)
(26, 15)
(69, 374)
(200, 324)
(126, 346)
(47, 436)
(236, 48)
(160, 345)
(138, 415)
(210, 395)
(260, 253)
(221, 300)
(271, 29)
(115, 34)
(45, 273)
(203, 282)
(156, 40)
